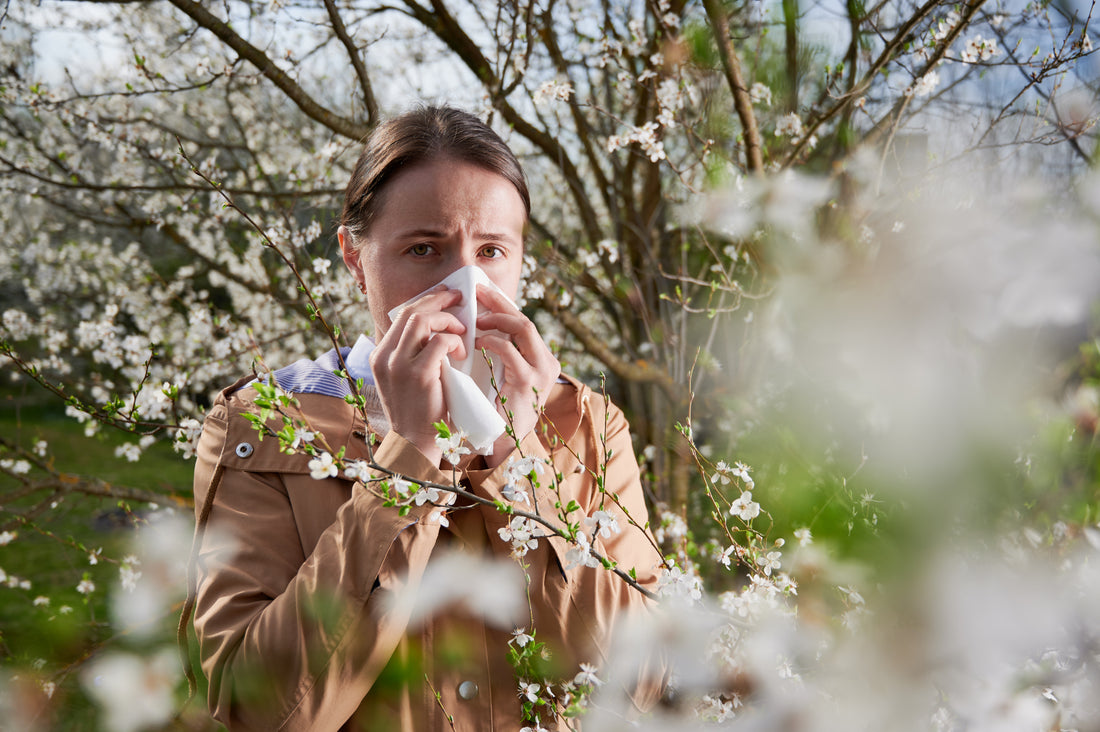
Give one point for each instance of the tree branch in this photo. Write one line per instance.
(341, 31)
(313, 110)
(892, 47)
(447, 29)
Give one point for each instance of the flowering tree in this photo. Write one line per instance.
(172, 225)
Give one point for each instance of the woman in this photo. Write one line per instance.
(296, 576)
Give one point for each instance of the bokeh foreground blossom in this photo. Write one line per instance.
(923, 356)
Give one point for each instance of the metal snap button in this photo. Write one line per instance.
(244, 450)
(467, 690)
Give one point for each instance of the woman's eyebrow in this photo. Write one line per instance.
(421, 233)
(429, 233)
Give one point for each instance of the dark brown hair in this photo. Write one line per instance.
(423, 135)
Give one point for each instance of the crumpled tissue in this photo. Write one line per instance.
(468, 383)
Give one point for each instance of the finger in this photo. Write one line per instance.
(521, 375)
(421, 327)
(522, 334)
(437, 299)
(399, 348)
(442, 346)
(494, 300)
(516, 367)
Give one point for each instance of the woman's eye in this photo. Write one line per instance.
(492, 252)
(420, 250)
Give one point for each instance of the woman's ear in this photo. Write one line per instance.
(351, 255)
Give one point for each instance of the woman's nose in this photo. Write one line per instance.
(467, 255)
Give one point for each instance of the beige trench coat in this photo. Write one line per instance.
(293, 618)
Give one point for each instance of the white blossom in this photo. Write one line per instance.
(520, 533)
(17, 324)
(789, 125)
(609, 248)
(587, 676)
(322, 467)
(580, 554)
(769, 562)
(302, 436)
(744, 507)
(925, 85)
(357, 470)
(520, 637)
(187, 437)
(129, 450)
(426, 494)
(602, 523)
(675, 583)
(979, 49)
(761, 94)
(135, 692)
(552, 91)
(452, 446)
(529, 690)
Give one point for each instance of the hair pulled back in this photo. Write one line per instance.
(423, 135)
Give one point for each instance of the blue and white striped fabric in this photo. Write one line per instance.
(317, 376)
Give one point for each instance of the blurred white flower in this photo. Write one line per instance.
(357, 470)
(552, 91)
(491, 589)
(925, 85)
(789, 125)
(130, 450)
(675, 583)
(322, 467)
(761, 94)
(587, 676)
(187, 437)
(520, 637)
(152, 578)
(609, 248)
(135, 692)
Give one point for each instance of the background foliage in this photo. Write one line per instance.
(838, 256)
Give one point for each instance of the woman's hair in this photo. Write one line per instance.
(420, 136)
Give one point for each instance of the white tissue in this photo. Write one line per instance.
(467, 384)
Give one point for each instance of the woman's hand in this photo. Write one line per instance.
(408, 362)
(530, 369)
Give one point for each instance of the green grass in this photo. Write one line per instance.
(52, 551)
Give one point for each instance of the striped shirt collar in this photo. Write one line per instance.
(318, 376)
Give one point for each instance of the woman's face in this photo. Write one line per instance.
(435, 218)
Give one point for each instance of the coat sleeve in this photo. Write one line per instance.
(290, 640)
(598, 602)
